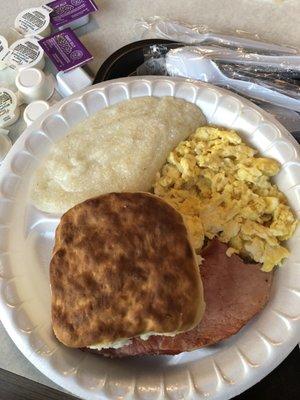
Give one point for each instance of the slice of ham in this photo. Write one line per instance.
(234, 293)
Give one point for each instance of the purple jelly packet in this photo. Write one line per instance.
(74, 12)
(65, 50)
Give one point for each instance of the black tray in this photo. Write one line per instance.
(125, 61)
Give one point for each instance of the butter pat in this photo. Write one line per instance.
(34, 21)
(71, 13)
(116, 345)
(125, 342)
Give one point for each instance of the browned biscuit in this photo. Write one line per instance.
(123, 266)
(234, 293)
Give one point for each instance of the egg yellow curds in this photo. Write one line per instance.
(223, 190)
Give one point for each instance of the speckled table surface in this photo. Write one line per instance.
(112, 27)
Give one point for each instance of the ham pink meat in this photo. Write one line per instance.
(234, 292)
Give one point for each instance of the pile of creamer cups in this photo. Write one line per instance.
(33, 87)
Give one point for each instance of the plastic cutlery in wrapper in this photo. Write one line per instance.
(278, 82)
(259, 62)
(189, 63)
(259, 70)
(196, 34)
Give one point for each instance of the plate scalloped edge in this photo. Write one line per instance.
(235, 365)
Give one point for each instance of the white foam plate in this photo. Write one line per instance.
(26, 239)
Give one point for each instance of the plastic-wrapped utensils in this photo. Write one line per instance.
(259, 62)
(256, 69)
(190, 64)
(270, 80)
(196, 34)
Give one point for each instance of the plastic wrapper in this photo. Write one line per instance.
(258, 70)
(192, 63)
(259, 62)
(200, 34)
(155, 59)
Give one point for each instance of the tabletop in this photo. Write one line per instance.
(113, 26)
(108, 30)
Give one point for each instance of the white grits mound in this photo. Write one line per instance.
(120, 148)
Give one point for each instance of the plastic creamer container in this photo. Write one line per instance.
(3, 44)
(9, 109)
(34, 110)
(34, 21)
(3, 50)
(33, 85)
(25, 53)
(5, 144)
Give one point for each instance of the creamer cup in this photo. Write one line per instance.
(3, 50)
(25, 53)
(34, 85)
(5, 145)
(9, 109)
(34, 21)
(34, 110)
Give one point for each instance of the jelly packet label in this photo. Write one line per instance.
(66, 11)
(65, 50)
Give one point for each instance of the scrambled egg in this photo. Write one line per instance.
(222, 190)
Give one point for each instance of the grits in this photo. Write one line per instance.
(120, 148)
